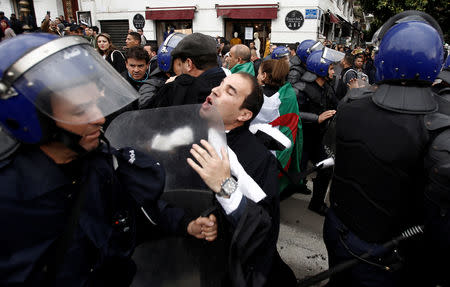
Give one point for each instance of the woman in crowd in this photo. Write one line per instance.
(280, 109)
(110, 53)
(7, 32)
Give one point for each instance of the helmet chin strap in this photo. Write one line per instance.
(70, 140)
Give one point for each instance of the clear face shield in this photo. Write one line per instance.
(335, 57)
(75, 85)
(318, 46)
(172, 41)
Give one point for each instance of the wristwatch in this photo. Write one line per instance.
(229, 185)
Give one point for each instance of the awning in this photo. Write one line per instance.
(333, 18)
(254, 11)
(170, 13)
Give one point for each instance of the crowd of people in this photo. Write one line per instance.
(74, 208)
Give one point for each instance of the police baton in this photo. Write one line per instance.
(410, 232)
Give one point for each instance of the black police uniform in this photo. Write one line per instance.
(437, 192)
(312, 101)
(378, 182)
(296, 71)
(36, 200)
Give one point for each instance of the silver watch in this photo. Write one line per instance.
(229, 185)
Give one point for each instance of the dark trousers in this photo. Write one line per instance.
(339, 241)
(314, 151)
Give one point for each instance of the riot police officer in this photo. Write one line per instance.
(317, 105)
(378, 182)
(437, 192)
(298, 68)
(70, 204)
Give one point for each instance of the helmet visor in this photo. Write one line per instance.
(316, 47)
(332, 55)
(75, 86)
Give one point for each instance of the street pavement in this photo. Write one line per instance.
(300, 243)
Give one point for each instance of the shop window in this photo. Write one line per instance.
(163, 28)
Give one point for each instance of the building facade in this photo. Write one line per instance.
(282, 21)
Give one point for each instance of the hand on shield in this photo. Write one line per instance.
(211, 168)
(203, 228)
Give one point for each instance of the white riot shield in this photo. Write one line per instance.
(167, 134)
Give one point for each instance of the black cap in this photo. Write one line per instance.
(195, 44)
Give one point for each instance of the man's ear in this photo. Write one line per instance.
(245, 115)
(189, 64)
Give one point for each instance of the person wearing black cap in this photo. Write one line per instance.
(200, 72)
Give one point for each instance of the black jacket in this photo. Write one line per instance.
(253, 258)
(186, 89)
(296, 71)
(117, 60)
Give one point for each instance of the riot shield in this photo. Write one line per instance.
(167, 135)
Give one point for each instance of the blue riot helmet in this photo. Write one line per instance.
(280, 52)
(165, 50)
(306, 48)
(47, 82)
(410, 49)
(318, 65)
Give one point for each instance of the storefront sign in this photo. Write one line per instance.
(311, 13)
(248, 33)
(138, 21)
(294, 20)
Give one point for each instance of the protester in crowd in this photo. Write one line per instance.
(317, 104)
(63, 20)
(152, 51)
(377, 191)
(76, 30)
(60, 26)
(239, 60)
(255, 60)
(280, 109)
(143, 39)
(252, 217)
(16, 24)
(109, 52)
(347, 74)
(147, 84)
(200, 72)
(137, 62)
(7, 31)
(3, 17)
(94, 199)
(369, 68)
(133, 39)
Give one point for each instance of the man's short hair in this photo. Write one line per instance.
(254, 101)
(349, 59)
(242, 52)
(153, 47)
(95, 29)
(136, 36)
(138, 53)
(292, 47)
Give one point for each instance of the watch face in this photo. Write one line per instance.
(229, 186)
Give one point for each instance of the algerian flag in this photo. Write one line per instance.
(281, 110)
